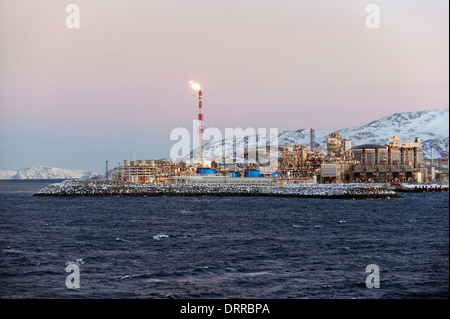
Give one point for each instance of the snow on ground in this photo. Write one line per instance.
(7, 174)
(45, 172)
(431, 126)
(105, 188)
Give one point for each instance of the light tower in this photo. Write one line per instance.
(312, 142)
(201, 127)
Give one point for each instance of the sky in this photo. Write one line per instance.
(75, 97)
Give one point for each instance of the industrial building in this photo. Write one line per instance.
(147, 171)
(343, 163)
(393, 161)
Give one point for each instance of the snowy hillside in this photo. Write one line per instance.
(431, 126)
(7, 174)
(44, 172)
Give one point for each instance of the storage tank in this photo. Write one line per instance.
(253, 173)
(276, 174)
(409, 173)
(206, 170)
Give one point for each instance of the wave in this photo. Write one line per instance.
(159, 237)
(12, 251)
(145, 278)
(204, 274)
(79, 262)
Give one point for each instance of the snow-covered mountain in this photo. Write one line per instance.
(431, 126)
(7, 174)
(45, 172)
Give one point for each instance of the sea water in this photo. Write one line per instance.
(221, 247)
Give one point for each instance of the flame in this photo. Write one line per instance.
(195, 85)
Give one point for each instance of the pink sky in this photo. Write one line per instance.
(73, 98)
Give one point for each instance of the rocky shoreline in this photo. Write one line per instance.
(89, 188)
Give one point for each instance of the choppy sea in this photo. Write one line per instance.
(221, 247)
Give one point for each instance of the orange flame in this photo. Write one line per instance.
(195, 85)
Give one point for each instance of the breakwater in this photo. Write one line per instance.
(421, 188)
(89, 188)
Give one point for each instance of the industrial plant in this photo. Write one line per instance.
(340, 162)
